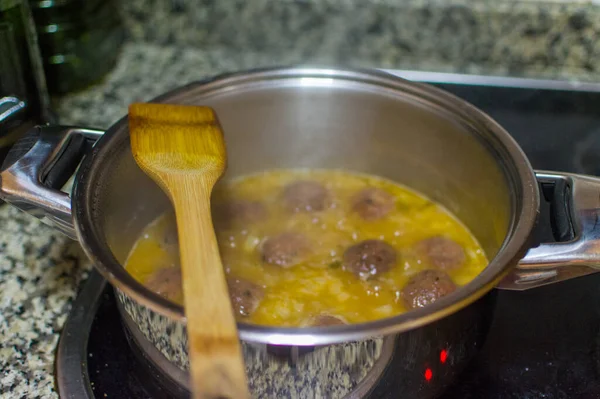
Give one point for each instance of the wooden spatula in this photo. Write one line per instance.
(182, 149)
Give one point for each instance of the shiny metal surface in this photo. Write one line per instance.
(362, 121)
(496, 81)
(304, 90)
(154, 355)
(21, 183)
(553, 262)
(363, 387)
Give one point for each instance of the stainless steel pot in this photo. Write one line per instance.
(363, 121)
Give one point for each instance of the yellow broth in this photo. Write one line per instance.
(320, 284)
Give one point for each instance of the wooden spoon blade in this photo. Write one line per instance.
(176, 138)
(182, 149)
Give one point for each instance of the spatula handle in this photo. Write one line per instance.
(216, 363)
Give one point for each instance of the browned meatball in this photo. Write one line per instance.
(441, 252)
(369, 258)
(325, 320)
(305, 196)
(166, 282)
(372, 203)
(245, 296)
(426, 287)
(239, 211)
(286, 249)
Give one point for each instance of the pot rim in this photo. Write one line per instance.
(516, 166)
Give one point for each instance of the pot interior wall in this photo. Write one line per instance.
(318, 123)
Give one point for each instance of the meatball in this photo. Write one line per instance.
(166, 282)
(286, 249)
(325, 320)
(369, 258)
(244, 295)
(239, 211)
(372, 203)
(441, 252)
(426, 287)
(305, 196)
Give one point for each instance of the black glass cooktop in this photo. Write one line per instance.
(544, 343)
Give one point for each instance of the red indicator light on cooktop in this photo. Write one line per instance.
(428, 374)
(443, 356)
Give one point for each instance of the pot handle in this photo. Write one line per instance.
(39, 165)
(575, 221)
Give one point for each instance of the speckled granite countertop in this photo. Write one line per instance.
(550, 39)
(41, 270)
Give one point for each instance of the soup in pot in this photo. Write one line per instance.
(320, 247)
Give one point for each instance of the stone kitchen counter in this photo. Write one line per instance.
(527, 38)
